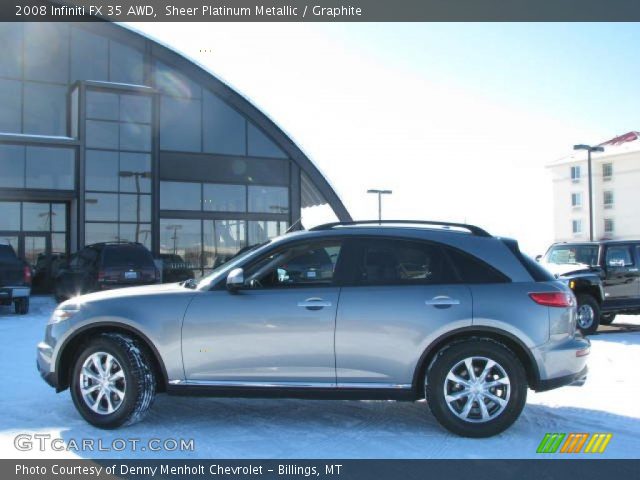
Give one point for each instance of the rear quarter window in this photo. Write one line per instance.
(471, 269)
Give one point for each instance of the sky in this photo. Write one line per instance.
(458, 119)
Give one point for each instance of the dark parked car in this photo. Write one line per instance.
(15, 280)
(175, 269)
(104, 266)
(605, 276)
(46, 270)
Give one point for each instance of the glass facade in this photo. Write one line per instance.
(118, 167)
(88, 112)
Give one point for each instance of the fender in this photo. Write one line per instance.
(61, 383)
(529, 363)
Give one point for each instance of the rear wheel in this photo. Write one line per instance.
(476, 388)
(607, 318)
(588, 314)
(21, 305)
(112, 383)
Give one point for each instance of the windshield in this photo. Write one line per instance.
(573, 255)
(206, 282)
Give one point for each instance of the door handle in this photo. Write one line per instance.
(442, 301)
(314, 303)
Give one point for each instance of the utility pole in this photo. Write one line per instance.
(589, 149)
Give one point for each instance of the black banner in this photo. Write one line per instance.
(321, 10)
(584, 469)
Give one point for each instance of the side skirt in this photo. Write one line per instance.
(311, 393)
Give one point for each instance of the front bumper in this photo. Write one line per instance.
(43, 362)
(562, 363)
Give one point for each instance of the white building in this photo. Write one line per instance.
(616, 192)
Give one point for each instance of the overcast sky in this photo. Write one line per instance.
(458, 120)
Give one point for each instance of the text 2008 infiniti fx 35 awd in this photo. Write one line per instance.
(359, 310)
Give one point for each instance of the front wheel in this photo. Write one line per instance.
(476, 388)
(112, 383)
(588, 314)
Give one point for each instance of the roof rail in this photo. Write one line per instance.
(471, 228)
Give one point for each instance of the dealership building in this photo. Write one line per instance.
(107, 135)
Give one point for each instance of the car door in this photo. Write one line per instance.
(401, 295)
(277, 330)
(622, 276)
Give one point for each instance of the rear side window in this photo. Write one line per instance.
(127, 256)
(473, 270)
(619, 256)
(400, 262)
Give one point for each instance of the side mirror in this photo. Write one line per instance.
(538, 258)
(235, 279)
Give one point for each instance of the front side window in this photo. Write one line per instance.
(393, 262)
(309, 264)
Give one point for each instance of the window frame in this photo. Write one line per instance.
(353, 246)
(251, 261)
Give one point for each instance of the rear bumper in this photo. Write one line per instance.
(8, 294)
(577, 379)
(563, 363)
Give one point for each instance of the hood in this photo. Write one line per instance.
(140, 291)
(559, 269)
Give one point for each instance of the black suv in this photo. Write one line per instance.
(615, 263)
(103, 266)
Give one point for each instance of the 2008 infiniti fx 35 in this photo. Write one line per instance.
(358, 310)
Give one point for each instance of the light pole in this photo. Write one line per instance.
(175, 229)
(589, 149)
(137, 176)
(380, 193)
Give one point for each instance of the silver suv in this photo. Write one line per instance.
(359, 310)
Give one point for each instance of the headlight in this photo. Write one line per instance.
(64, 312)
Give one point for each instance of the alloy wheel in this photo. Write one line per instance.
(102, 383)
(585, 316)
(477, 389)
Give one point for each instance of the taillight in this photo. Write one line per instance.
(553, 299)
(27, 274)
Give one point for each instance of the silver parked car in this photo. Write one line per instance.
(359, 310)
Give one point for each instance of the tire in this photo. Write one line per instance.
(136, 381)
(588, 314)
(607, 318)
(499, 417)
(21, 306)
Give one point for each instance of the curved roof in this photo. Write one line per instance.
(206, 79)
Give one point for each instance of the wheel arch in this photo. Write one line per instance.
(71, 346)
(459, 335)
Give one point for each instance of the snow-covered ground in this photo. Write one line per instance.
(232, 428)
